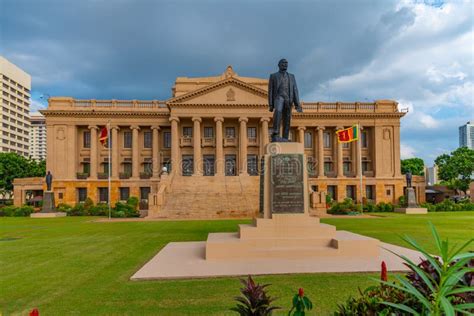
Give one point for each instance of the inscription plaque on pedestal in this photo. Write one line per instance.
(286, 183)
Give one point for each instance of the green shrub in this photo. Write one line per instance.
(24, 210)
(385, 207)
(88, 204)
(133, 201)
(347, 207)
(402, 201)
(77, 210)
(8, 210)
(370, 207)
(101, 209)
(63, 207)
(125, 210)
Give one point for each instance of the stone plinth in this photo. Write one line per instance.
(411, 210)
(48, 202)
(47, 215)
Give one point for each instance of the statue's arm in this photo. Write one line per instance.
(296, 97)
(270, 92)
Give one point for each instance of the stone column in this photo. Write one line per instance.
(301, 130)
(340, 170)
(115, 152)
(396, 152)
(155, 151)
(321, 152)
(358, 145)
(197, 146)
(175, 161)
(243, 145)
(94, 140)
(135, 152)
(219, 147)
(264, 121)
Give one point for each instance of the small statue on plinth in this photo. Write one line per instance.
(408, 177)
(411, 205)
(49, 181)
(282, 94)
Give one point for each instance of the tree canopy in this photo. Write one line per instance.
(14, 166)
(457, 168)
(415, 165)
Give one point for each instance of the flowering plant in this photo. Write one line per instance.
(300, 304)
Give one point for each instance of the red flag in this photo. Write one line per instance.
(103, 136)
(347, 135)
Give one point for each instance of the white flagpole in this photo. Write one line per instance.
(109, 142)
(359, 140)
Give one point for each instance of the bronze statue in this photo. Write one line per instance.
(408, 176)
(282, 94)
(49, 180)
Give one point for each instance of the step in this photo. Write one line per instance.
(314, 231)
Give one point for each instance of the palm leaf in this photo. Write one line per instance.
(402, 307)
(447, 306)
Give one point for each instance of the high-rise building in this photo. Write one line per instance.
(431, 175)
(15, 108)
(37, 136)
(466, 135)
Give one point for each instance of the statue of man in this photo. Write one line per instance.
(408, 176)
(282, 94)
(49, 180)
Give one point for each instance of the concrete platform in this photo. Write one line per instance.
(48, 215)
(179, 260)
(412, 210)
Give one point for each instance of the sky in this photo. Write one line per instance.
(419, 53)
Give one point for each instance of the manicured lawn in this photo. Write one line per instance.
(75, 266)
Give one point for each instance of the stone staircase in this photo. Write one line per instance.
(211, 197)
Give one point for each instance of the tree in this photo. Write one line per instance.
(14, 166)
(457, 168)
(415, 165)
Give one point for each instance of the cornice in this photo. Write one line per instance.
(61, 113)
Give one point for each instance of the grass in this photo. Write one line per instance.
(76, 266)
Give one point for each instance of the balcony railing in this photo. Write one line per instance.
(368, 173)
(102, 175)
(252, 141)
(145, 175)
(82, 175)
(208, 142)
(230, 141)
(186, 141)
(124, 175)
(330, 174)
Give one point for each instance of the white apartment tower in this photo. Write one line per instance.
(466, 135)
(37, 136)
(15, 85)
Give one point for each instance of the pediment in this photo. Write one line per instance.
(227, 91)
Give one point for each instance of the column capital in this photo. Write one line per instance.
(195, 118)
(132, 127)
(114, 127)
(155, 127)
(320, 128)
(218, 119)
(301, 128)
(339, 127)
(174, 118)
(265, 119)
(243, 119)
(93, 127)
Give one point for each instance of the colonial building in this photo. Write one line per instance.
(209, 137)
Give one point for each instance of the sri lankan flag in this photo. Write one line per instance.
(103, 136)
(347, 135)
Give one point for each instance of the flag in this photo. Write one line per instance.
(103, 136)
(347, 135)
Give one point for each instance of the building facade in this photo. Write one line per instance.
(15, 108)
(37, 136)
(466, 135)
(209, 136)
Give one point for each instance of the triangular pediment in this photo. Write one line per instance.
(227, 91)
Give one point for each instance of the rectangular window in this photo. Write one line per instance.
(147, 139)
(209, 132)
(370, 192)
(166, 164)
(105, 167)
(124, 194)
(81, 194)
(86, 141)
(127, 139)
(308, 140)
(230, 132)
(167, 139)
(252, 165)
(351, 192)
(187, 165)
(346, 167)
(103, 195)
(230, 165)
(327, 140)
(311, 167)
(327, 166)
(332, 191)
(187, 131)
(144, 193)
(127, 168)
(346, 145)
(251, 132)
(365, 139)
(208, 165)
(365, 166)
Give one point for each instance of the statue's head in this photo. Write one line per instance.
(283, 64)
(49, 172)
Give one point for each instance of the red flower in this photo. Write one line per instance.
(383, 274)
(300, 292)
(34, 312)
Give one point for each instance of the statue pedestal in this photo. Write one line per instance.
(49, 207)
(285, 230)
(412, 206)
